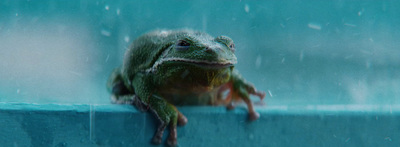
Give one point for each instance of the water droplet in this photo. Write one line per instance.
(75, 73)
(360, 12)
(105, 33)
(350, 25)
(388, 138)
(270, 94)
(118, 11)
(108, 57)
(18, 91)
(126, 38)
(315, 26)
(107, 7)
(204, 22)
(370, 39)
(258, 62)
(301, 56)
(246, 8)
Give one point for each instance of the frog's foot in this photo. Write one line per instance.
(182, 120)
(168, 115)
(230, 106)
(172, 138)
(172, 141)
(253, 116)
(157, 138)
(260, 94)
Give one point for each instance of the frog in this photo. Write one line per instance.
(163, 69)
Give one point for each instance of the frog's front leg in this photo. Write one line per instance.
(168, 115)
(164, 111)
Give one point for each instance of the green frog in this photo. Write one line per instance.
(167, 68)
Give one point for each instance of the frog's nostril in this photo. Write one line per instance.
(209, 50)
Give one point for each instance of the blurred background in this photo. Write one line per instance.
(306, 52)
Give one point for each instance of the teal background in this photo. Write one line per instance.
(305, 52)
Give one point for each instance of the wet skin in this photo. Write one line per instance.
(166, 68)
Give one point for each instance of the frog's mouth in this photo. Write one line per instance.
(202, 63)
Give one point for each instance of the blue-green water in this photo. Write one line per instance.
(299, 52)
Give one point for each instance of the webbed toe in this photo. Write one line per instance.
(254, 116)
(172, 142)
(182, 120)
(156, 140)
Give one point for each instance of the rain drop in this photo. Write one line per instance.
(105, 33)
(246, 8)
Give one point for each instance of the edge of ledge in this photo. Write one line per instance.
(30, 124)
(284, 109)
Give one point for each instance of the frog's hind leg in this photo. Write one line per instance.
(250, 88)
(227, 101)
(120, 94)
(168, 115)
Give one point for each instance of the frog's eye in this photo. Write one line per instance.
(182, 45)
(232, 47)
(226, 41)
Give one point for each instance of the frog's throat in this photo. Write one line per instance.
(202, 63)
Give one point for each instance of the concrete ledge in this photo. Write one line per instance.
(121, 125)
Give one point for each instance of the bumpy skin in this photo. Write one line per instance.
(165, 68)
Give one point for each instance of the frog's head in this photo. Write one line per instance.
(194, 58)
(202, 50)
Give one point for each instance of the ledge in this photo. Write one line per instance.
(121, 125)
